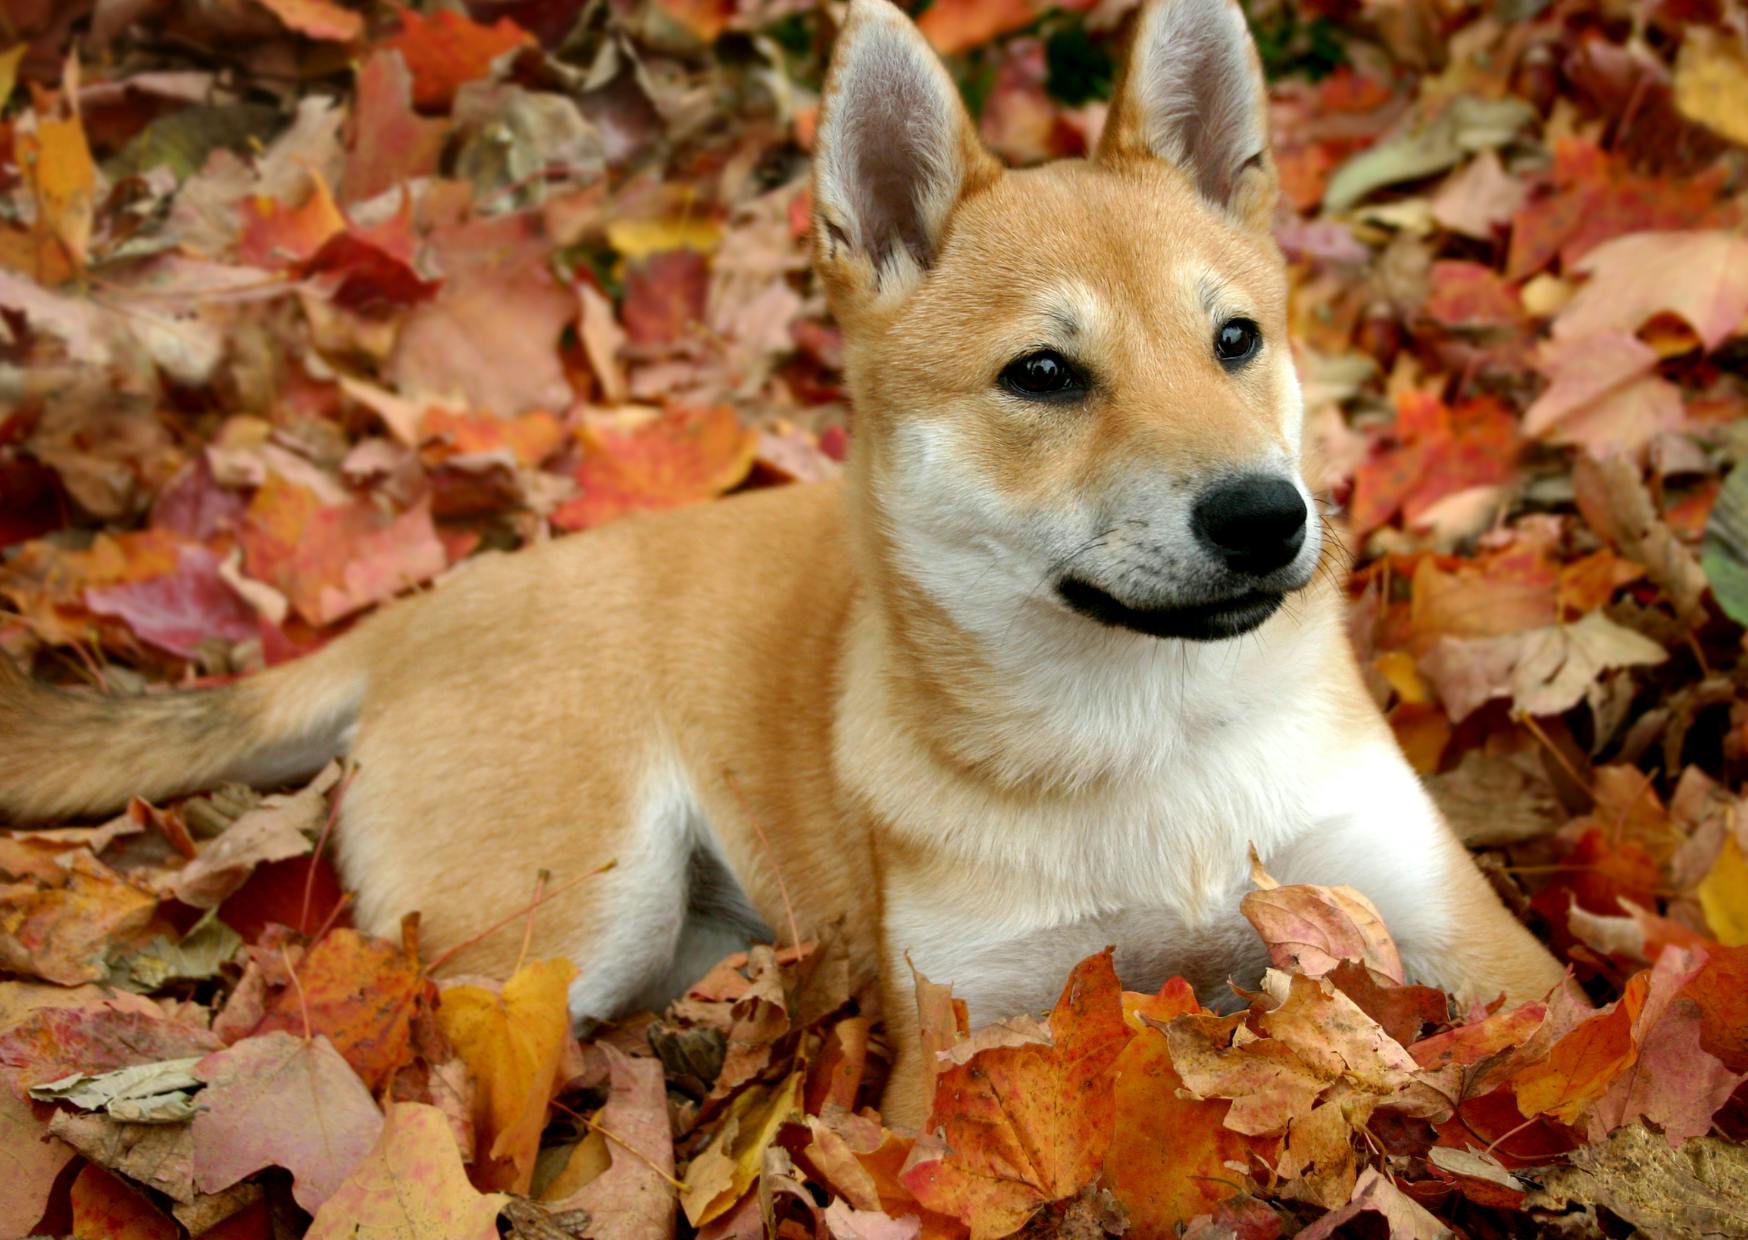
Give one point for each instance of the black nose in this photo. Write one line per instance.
(1255, 525)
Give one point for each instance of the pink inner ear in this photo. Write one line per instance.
(1198, 94)
(892, 145)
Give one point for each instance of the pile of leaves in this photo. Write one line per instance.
(302, 303)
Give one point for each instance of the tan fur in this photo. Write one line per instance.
(773, 645)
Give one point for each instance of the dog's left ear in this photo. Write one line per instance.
(1191, 92)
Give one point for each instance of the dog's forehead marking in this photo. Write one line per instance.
(1072, 307)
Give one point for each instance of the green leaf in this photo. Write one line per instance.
(1724, 552)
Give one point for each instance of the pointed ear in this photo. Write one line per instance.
(896, 152)
(1191, 92)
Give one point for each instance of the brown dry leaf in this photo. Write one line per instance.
(1543, 671)
(279, 827)
(1310, 929)
(160, 1156)
(512, 1043)
(1618, 506)
(1691, 1191)
(1405, 1218)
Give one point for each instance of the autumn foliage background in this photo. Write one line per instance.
(303, 304)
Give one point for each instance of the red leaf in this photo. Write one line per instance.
(447, 50)
(178, 611)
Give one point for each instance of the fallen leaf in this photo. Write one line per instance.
(319, 19)
(446, 50)
(281, 1101)
(1026, 1124)
(281, 826)
(179, 611)
(30, 1163)
(511, 1043)
(151, 1093)
(1311, 929)
(1405, 1218)
(1711, 81)
(726, 1167)
(1723, 894)
(67, 933)
(1724, 553)
(654, 463)
(105, 1205)
(410, 1186)
(361, 994)
(159, 1156)
(1543, 671)
(1700, 276)
(631, 1197)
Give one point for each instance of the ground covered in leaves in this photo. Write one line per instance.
(302, 304)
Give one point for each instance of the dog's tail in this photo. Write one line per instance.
(65, 753)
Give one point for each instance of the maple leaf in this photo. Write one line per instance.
(333, 560)
(1171, 1157)
(446, 51)
(632, 1197)
(391, 144)
(30, 1163)
(677, 458)
(1641, 1057)
(282, 1101)
(180, 610)
(361, 994)
(511, 1043)
(410, 1186)
(104, 1205)
(1700, 276)
(1026, 1117)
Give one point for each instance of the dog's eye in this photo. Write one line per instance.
(1045, 375)
(1236, 342)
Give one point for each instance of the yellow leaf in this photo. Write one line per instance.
(635, 239)
(9, 60)
(1723, 894)
(731, 1162)
(1711, 81)
(511, 1043)
(1397, 667)
(57, 162)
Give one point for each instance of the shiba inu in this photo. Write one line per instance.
(1032, 680)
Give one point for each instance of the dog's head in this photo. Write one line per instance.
(1073, 385)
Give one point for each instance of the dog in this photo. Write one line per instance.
(1034, 678)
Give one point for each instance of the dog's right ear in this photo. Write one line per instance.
(896, 152)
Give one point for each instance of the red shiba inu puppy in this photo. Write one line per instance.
(1032, 681)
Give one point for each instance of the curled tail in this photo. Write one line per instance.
(64, 753)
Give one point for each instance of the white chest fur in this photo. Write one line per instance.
(1198, 761)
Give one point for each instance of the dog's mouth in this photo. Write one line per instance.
(1198, 622)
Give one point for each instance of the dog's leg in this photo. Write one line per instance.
(1378, 830)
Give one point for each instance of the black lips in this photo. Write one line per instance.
(1201, 622)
